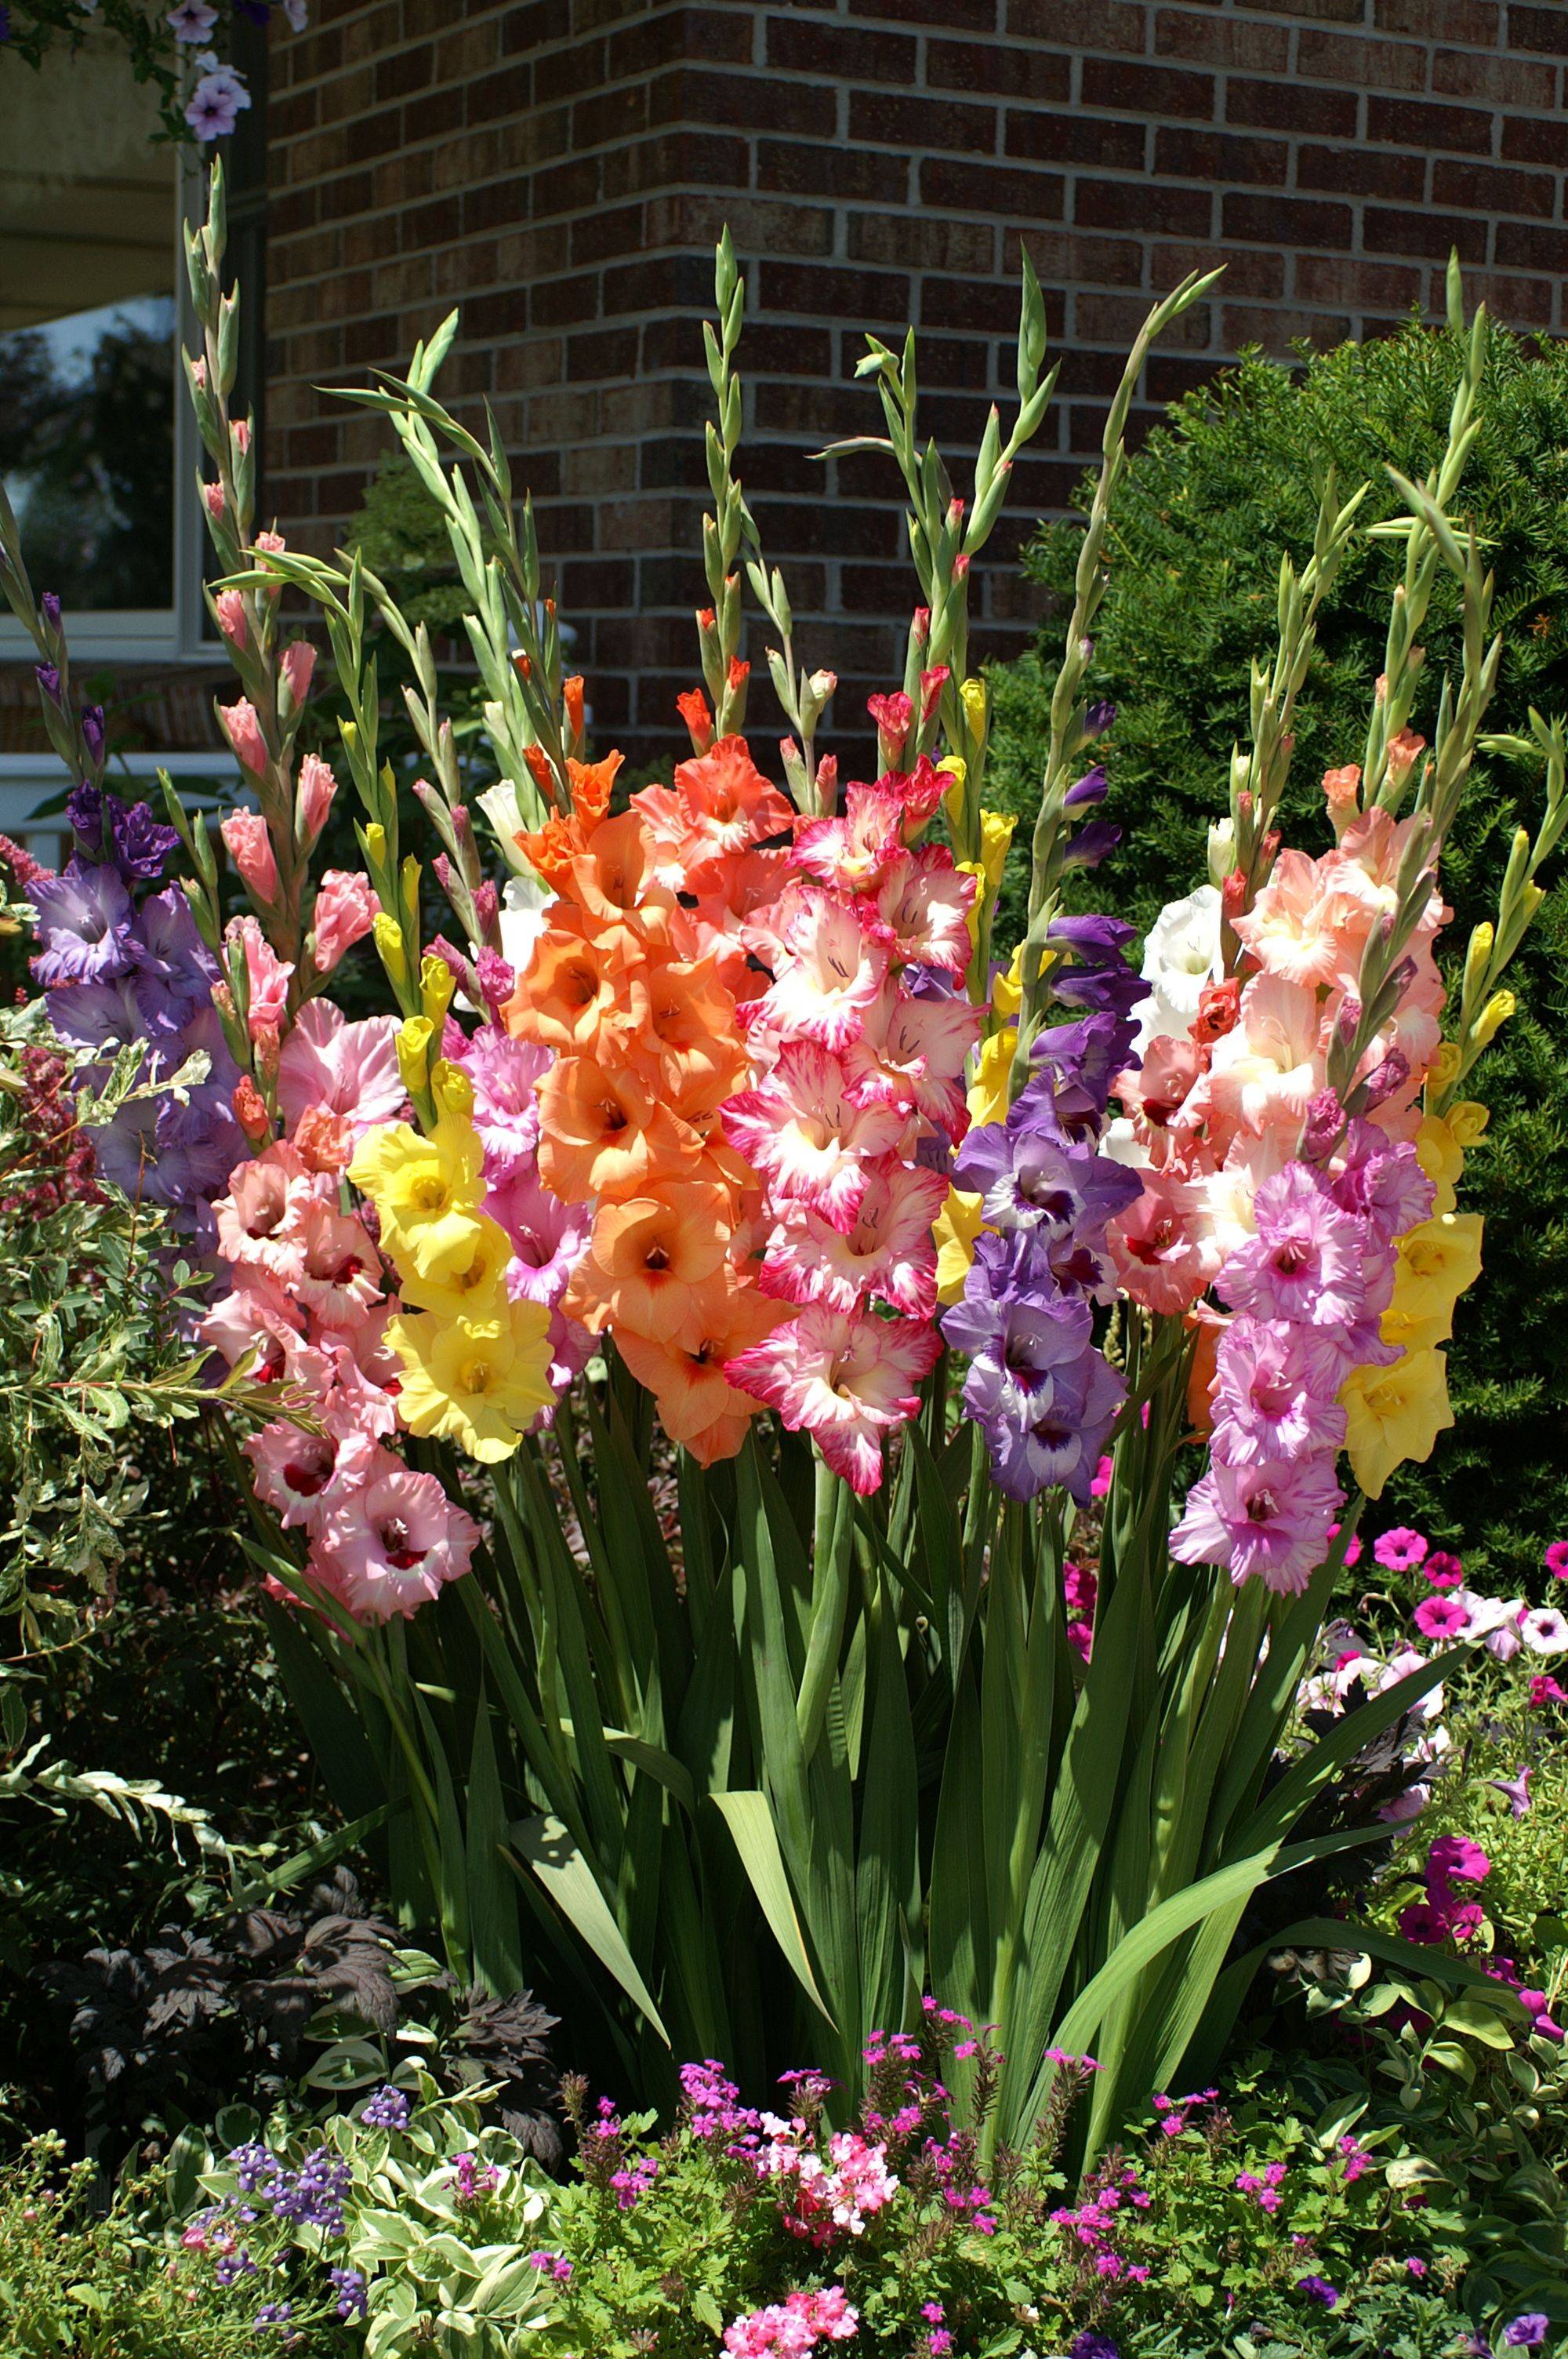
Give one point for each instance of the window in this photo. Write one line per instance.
(96, 447)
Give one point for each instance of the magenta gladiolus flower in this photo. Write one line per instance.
(1270, 1519)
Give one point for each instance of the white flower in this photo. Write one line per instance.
(1181, 956)
(1399, 1666)
(522, 919)
(294, 12)
(1545, 1630)
(499, 804)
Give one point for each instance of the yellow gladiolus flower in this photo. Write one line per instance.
(1443, 1069)
(389, 942)
(972, 697)
(452, 1090)
(988, 1098)
(470, 1288)
(1443, 1254)
(427, 1190)
(436, 985)
(1007, 995)
(1418, 1318)
(477, 1382)
(1468, 1121)
(1394, 1414)
(955, 1228)
(996, 834)
(1441, 1158)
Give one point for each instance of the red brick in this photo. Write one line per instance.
(748, 101)
(1405, 123)
(1115, 319)
(1074, 139)
(981, 15)
(1291, 106)
(1483, 188)
(1079, 24)
(1323, 11)
(1430, 234)
(1523, 303)
(1351, 278)
(1137, 88)
(1366, 64)
(1508, 81)
(923, 242)
(853, 172)
(992, 189)
(1533, 245)
(1544, 30)
(1362, 173)
(1142, 206)
(1187, 154)
(847, 53)
(1281, 220)
(920, 124)
(1210, 40)
(1476, 21)
(1277, 330)
(823, 293)
(1008, 72)
(1248, 270)
(1533, 140)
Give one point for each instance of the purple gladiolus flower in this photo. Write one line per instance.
(1097, 974)
(106, 829)
(1528, 2331)
(48, 678)
(1029, 1180)
(1091, 844)
(171, 1154)
(50, 604)
(85, 925)
(92, 731)
(1044, 1395)
(174, 962)
(1082, 1061)
(1090, 789)
(1099, 718)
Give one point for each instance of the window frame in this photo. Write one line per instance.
(181, 633)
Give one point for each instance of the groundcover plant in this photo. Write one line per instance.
(710, 1305)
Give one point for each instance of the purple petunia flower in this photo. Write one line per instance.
(85, 925)
(1318, 2290)
(1528, 2331)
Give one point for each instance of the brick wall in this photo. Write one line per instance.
(560, 168)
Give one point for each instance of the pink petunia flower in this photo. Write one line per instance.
(1400, 1550)
(1442, 1569)
(1545, 1630)
(1557, 1559)
(846, 1380)
(1441, 1617)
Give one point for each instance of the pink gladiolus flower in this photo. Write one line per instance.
(249, 846)
(302, 1476)
(269, 978)
(845, 1380)
(232, 622)
(345, 911)
(260, 1220)
(1307, 1261)
(243, 731)
(212, 497)
(831, 971)
(347, 1070)
(1163, 1246)
(1270, 1519)
(315, 792)
(889, 1252)
(924, 903)
(339, 1275)
(297, 663)
(390, 1545)
(1274, 1395)
(853, 852)
(803, 1133)
(910, 1055)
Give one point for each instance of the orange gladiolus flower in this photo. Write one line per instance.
(647, 1258)
(577, 984)
(698, 1405)
(604, 1132)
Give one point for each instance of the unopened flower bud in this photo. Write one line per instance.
(1221, 850)
(412, 1042)
(250, 1112)
(436, 985)
(388, 936)
(1492, 1016)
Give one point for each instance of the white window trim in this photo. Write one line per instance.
(206, 781)
(179, 634)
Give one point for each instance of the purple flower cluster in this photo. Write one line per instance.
(1045, 1398)
(1309, 1290)
(389, 2109)
(472, 2181)
(119, 968)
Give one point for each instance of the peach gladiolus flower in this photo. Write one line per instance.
(604, 1134)
(646, 1259)
(699, 1405)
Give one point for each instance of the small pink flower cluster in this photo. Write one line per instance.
(826, 2197)
(794, 2326)
(858, 1049)
(1080, 1588)
(1264, 2187)
(1092, 2221)
(308, 1299)
(1452, 1862)
(1308, 1289)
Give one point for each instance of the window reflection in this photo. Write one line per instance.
(87, 329)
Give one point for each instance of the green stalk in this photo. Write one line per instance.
(831, 1563)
